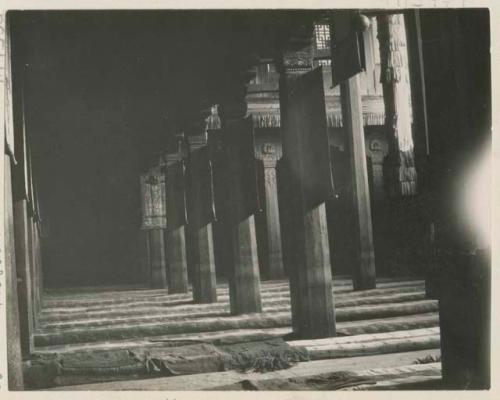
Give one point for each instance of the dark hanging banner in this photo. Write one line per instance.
(175, 194)
(305, 139)
(200, 203)
(221, 173)
(348, 55)
(240, 148)
(8, 97)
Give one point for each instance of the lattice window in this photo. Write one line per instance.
(322, 36)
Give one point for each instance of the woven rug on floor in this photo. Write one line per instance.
(332, 381)
(263, 355)
(169, 358)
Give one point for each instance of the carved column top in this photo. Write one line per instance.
(269, 150)
(377, 147)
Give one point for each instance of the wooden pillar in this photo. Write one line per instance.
(176, 220)
(14, 335)
(244, 277)
(33, 271)
(422, 147)
(352, 116)
(204, 279)
(307, 161)
(21, 231)
(345, 45)
(12, 342)
(39, 266)
(222, 227)
(457, 60)
(154, 223)
(177, 261)
(269, 151)
(465, 320)
(144, 256)
(200, 214)
(156, 240)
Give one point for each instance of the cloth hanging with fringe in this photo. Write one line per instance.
(394, 77)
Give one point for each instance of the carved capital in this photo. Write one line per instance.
(269, 153)
(377, 147)
(268, 148)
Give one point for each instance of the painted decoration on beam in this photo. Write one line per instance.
(154, 214)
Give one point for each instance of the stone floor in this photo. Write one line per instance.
(392, 327)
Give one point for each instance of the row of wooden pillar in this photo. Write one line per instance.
(225, 166)
(22, 226)
(24, 277)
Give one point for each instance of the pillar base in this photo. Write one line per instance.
(464, 315)
(313, 312)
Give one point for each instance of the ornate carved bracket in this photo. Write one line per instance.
(268, 148)
(377, 147)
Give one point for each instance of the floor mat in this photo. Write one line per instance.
(332, 381)
(262, 356)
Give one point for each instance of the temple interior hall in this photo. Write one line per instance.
(247, 199)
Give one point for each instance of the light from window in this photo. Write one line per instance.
(322, 36)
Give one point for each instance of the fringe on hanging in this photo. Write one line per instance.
(266, 120)
(407, 173)
(394, 75)
(334, 120)
(273, 120)
(392, 42)
(408, 188)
